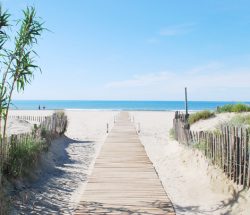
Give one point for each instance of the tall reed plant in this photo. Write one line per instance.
(17, 64)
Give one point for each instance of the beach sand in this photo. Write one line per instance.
(193, 185)
(56, 185)
(213, 123)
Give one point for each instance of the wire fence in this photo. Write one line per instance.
(227, 148)
(30, 118)
(48, 128)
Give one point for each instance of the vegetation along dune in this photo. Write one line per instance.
(124, 107)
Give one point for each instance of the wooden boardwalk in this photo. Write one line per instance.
(124, 180)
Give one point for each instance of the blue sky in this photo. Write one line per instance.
(141, 50)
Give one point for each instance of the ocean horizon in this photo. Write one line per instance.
(118, 105)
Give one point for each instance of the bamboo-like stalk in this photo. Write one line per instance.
(4, 23)
(22, 67)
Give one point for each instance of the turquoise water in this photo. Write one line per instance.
(117, 105)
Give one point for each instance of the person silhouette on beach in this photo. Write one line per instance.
(39, 108)
(43, 107)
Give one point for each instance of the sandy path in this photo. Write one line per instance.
(192, 184)
(57, 185)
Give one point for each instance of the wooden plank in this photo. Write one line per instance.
(236, 157)
(248, 163)
(245, 158)
(240, 157)
(124, 180)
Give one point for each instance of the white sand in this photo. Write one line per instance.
(215, 122)
(192, 184)
(59, 182)
(212, 123)
(19, 126)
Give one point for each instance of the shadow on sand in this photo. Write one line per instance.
(225, 206)
(50, 185)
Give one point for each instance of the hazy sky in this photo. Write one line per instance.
(141, 49)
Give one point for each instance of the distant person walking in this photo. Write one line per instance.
(39, 107)
(43, 107)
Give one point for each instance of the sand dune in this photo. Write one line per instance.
(194, 186)
(56, 185)
(212, 123)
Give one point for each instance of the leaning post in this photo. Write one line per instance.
(186, 102)
(186, 126)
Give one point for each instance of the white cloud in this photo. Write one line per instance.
(210, 67)
(209, 82)
(177, 29)
(152, 40)
(140, 80)
(173, 30)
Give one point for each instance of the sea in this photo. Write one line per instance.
(118, 105)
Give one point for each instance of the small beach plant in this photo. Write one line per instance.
(22, 155)
(200, 115)
(236, 108)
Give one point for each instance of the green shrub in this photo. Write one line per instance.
(23, 154)
(200, 115)
(236, 108)
(225, 108)
(24, 150)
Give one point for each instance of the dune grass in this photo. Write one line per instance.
(23, 154)
(240, 121)
(200, 115)
(235, 108)
(25, 150)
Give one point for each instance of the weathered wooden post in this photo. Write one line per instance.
(186, 124)
(186, 101)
